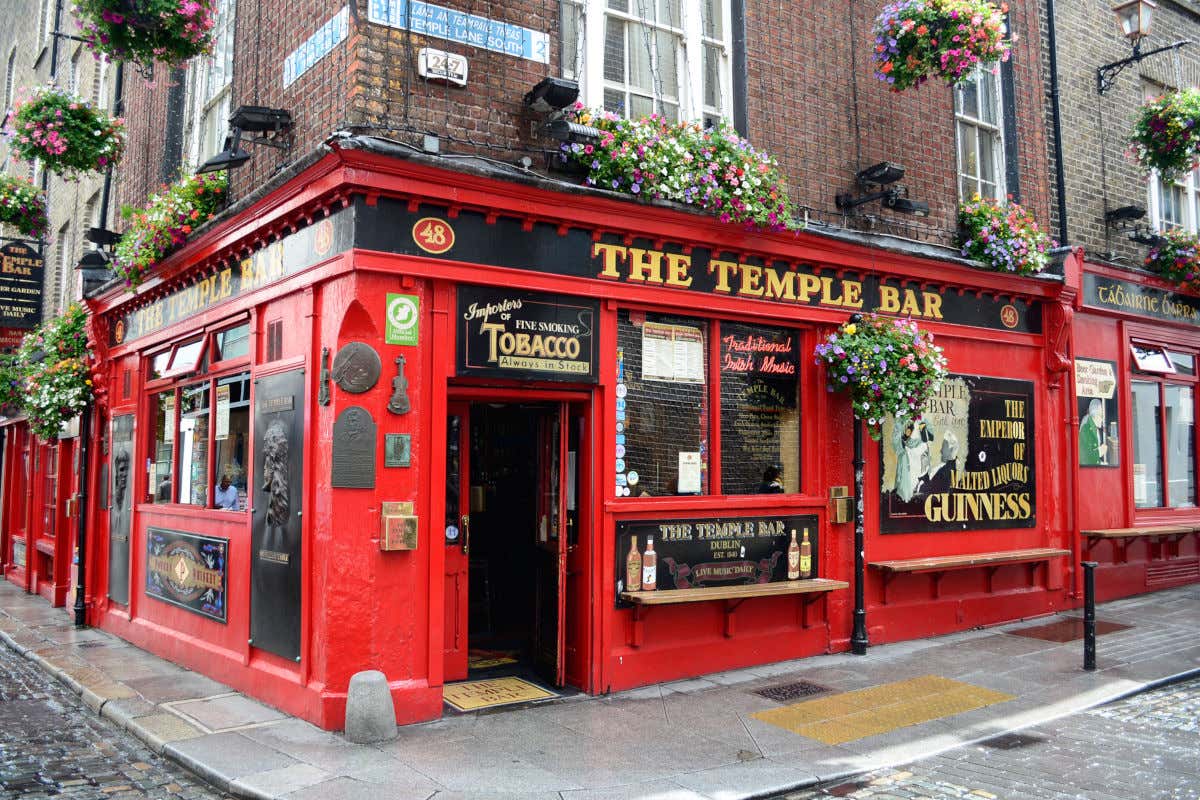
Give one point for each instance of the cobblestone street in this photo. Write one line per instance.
(51, 745)
(1145, 747)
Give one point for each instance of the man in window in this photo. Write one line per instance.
(226, 494)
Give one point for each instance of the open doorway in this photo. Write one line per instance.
(512, 516)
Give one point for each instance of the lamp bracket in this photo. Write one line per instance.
(846, 202)
(1106, 75)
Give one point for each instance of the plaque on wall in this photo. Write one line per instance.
(275, 535)
(120, 506)
(353, 450)
(356, 367)
(966, 464)
(697, 552)
(188, 571)
(397, 449)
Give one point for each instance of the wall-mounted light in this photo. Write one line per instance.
(573, 132)
(1144, 235)
(881, 174)
(1133, 21)
(894, 198)
(552, 94)
(1122, 217)
(94, 270)
(274, 126)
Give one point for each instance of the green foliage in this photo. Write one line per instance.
(1004, 237)
(23, 206)
(144, 31)
(1166, 134)
(65, 133)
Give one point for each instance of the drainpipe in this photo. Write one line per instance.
(1060, 181)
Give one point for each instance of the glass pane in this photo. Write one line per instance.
(162, 409)
(669, 13)
(1147, 443)
(619, 5)
(987, 157)
(968, 188)
(640, 106)
(988, 96)
(969, 99)
(232, 422)
(232, 343)
(968, 151)
(671, 111)
(1152, 359)
(712, 77)
(614, 50)
(711, 19)
(760, 409)
(186, 355)
(641, 69)
(668, 64)
(158, 364)
(571, 50)
(193, 445)
(662, 446)
(1185, 364)
(614, 101)
(1181, 455)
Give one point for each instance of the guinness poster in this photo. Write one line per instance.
(697, 552)
(21, 270)
(188, 571)
(506, 333)
(120, 505)
(276, 522)
(967, 464)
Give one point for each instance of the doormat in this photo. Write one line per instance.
(855, 715)
(1067, 630)
(482, 659)
(474, 695)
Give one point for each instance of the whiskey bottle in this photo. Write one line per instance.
(649, 567)
(633, 568)
(805, 555)
(793, 558)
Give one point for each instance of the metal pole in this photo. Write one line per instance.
(118, 104)
(85, 435)
(1089, 615)
(1060, 180)
(54, 42)
(858, 638)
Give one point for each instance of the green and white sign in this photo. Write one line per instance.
(403, 319)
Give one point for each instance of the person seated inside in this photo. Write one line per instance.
(772, 481)
(225, 496)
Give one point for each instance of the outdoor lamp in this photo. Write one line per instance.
(1123, 216)
(552, 94)
(1133, 19)
(894, 198)
(93, 270)
(565, 131)
(880, 174)
(273, 124)
(230, 157)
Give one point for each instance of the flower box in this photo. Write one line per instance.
(1006, 238)
(919, 39)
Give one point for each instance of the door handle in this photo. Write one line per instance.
(466, 527)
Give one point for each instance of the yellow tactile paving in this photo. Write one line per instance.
(879, 709)
(472, 695)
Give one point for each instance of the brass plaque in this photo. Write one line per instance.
(399, 532)
(356, 367)
(393, 508)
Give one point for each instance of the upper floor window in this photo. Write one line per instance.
(9, 79)
(639, 57)
(212, 75)
(979, 129)
(1171, 203)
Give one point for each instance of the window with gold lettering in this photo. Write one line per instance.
(760, 409)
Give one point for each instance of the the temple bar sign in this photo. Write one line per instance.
(21, 269)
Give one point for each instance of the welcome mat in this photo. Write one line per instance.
(474, 695)
(483, 659)
(867, 712)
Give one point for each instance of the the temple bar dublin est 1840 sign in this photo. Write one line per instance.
(21, 269)
(698, 552)
(188, 571)
(966, 464)
(505, 333)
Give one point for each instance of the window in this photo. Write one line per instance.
(1163, 410)
(100, 83)
(1172, 203)
(66, 266)
(201, 424)
(46, 22)
(210, 88)
(637, 57)
(665, 398)
(9, 78)
(979, 123)
(73, 75)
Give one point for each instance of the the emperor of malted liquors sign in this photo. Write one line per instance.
(505, 333)
(966, 464)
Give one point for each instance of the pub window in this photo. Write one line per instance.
(231, 343)
(662, 412)
(193, 445)
(1163, 411)
(760, 409)
(162, 412)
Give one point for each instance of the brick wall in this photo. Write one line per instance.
(813, 100)
(1099, 176)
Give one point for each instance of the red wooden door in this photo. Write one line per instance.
(457, 539)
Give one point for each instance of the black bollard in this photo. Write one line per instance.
(1089, 615)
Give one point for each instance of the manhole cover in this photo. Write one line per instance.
(1012, 741)
(790, 691)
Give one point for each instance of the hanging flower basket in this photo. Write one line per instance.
(145, 31)
(23, 206)
(713, 169)
(918, 39)
(165, 223)
(1004, 237)
(58, 385)
(888, 365)
(1166, 134)
(1177, 258)
(66, 134)
(12, 386)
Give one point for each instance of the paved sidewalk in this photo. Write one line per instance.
(699, 739)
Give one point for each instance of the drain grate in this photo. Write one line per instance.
(790, 691)
(92, 644)
(1012, 741)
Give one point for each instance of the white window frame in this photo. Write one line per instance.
(46, 23)
(689, 94)
(66, 266)
(981, 127)
(10, 78)
(208, 106)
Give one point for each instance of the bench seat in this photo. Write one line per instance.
(936, 566)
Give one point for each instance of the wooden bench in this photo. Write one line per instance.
(1164, 539)
(937, 566)
(733, 596)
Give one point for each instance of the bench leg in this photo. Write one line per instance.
(637, 627)
(935, 584)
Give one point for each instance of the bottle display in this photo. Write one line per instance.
(805, 555)
(633, 568)
(649, 567)
(793, 554)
